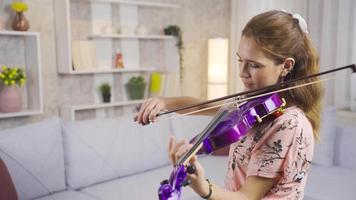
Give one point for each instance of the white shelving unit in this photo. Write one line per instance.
(109, 71)
(32, 90)
(101, 12)
(140, 3)
(142, 37)
(69, 112)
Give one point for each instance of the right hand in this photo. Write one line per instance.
(149, 109)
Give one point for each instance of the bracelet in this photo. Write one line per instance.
(210, 190)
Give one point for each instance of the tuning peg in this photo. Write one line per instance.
(191, 169)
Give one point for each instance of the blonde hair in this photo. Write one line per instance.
(279, 36)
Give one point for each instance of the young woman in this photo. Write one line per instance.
(271, 161)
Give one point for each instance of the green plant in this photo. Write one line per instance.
(11, 76)
(105, 89)
(19, 6)
(136, 80)
(175, 31)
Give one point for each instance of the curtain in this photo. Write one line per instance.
(332, 28)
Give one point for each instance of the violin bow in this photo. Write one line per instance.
(261, 91)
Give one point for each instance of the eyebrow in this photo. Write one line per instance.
(250, 60)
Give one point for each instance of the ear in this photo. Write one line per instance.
(287, 66)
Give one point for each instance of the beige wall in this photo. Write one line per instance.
(199, 20)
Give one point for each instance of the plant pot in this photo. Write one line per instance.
(135, 91)
(106, 98)
(10, 99)
(20, 22)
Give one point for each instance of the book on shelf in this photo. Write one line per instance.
(164, 84)
(83, 55)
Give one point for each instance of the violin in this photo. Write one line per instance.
(232, 122)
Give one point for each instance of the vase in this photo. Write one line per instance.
(136, 91)
(10, 99)
(20, 22)
(106, 98)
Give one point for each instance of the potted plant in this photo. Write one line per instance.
(175, 31)
(135, 87)
(105, 91)
(11, 79)
(20, 22)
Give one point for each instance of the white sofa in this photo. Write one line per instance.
(117, 159)
(97, 159)
(333, 172)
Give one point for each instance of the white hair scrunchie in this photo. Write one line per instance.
(301, 21)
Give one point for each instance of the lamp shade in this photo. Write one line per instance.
(217, 67)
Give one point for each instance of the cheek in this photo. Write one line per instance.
(265, 79)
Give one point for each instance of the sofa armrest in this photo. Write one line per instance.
(7, 188)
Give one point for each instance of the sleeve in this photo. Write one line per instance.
(271, 151)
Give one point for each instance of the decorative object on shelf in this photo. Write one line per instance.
(10, 95)
(156, 82)
(83, 55)
(141, 30)
(175, 31)
(107, 29)
(119, 60)
(20, 23)
(126, 30)
(105, 91)
(135, 87)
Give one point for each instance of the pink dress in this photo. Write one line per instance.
(283, 148)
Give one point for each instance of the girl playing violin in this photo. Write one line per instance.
(273, 160)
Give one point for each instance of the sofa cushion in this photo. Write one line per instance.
(67, 195)
(186, 127)
(34, 157)
(7, 188)
(329, 183)
(145, 185)
(345, 148)
(100, 150)
(324, 150)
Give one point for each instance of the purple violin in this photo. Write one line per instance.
(230, 124)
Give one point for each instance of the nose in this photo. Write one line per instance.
(244, 73)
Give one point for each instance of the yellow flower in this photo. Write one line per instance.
(3, 68)
(2, 76)
(6, 82)
(19, 6)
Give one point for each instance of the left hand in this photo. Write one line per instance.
(175, 151)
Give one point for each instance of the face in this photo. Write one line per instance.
(256, 70)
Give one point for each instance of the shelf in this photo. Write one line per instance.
(19, 33)
(69, 112)
(20, 114)
(106, 105)
(104, 71)
(140, 3)
(117, 36)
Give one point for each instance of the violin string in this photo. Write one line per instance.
(246, 99)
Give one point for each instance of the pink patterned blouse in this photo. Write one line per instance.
(283, 148)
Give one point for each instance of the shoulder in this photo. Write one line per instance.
(292, 119)
(290, 125)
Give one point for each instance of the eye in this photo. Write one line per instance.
(253, 65)
(239, 60)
